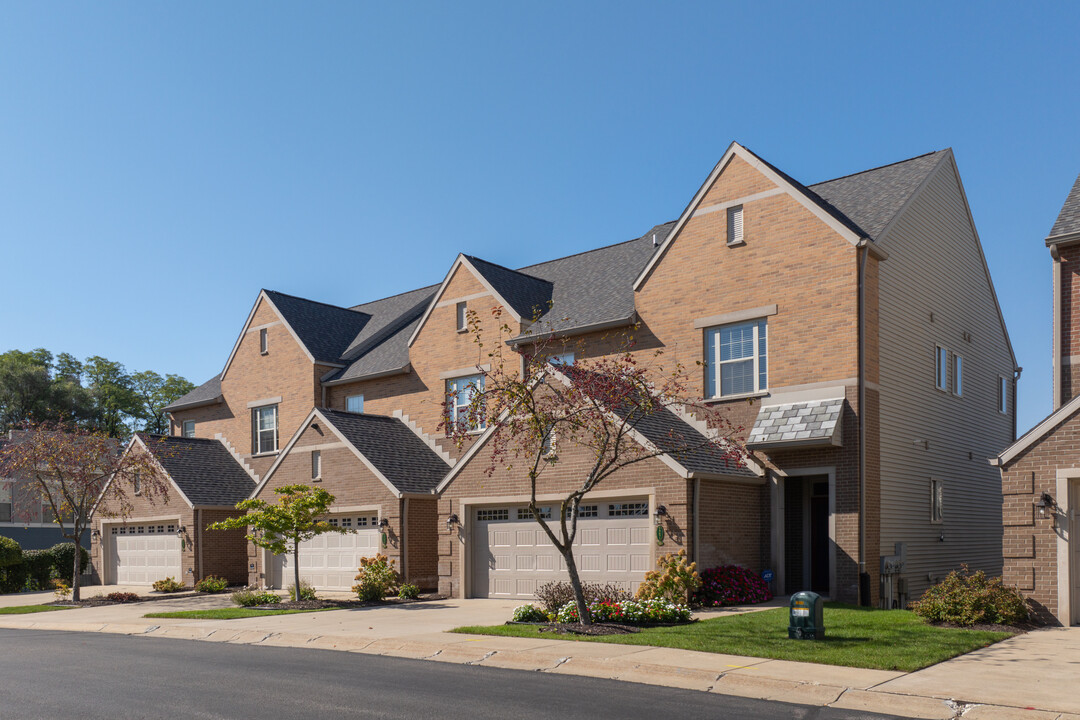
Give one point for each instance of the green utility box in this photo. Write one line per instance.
(805, 617)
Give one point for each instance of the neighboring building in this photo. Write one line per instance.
(804, 306)
(24, 516)
(1040, 472)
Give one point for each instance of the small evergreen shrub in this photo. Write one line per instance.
(554, 595)
(10, 552)
(38, 565)
(376, 578)
(731, 585)
(253, 597)
(212, 584)
(13, 571)
(966, 599)
(168, 585)
(408, 591)
(529, 613)
(63, 555)
(676, 580)
(307, 592)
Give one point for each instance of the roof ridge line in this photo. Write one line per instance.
(596, 249)
(390, 297)
(879, 167)
(510, 269)
(316, 302)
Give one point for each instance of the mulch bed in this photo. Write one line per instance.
(321, 604)
(594, 629)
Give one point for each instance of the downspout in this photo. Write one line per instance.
(864, 577)
(324, 395)
(404, 538)
(196, 516)
(697, 524)
(1056, 344)
(1015, 396)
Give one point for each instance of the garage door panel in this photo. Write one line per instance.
(143, 554)
(330, 561)
(510, 559)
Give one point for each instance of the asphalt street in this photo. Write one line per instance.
(46, 674)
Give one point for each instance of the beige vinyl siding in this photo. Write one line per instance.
(936, 266)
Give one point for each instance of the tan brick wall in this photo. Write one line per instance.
(733, 525)
(1030, 542)
(422, 542)
(224, 552)
(1070, 316)
(352, 484)
(284, 371)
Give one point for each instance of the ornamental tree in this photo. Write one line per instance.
(68, 474)
(281, 528)
(611, 408)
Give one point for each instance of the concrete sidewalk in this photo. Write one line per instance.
(1005, 681)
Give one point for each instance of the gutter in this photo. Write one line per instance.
(190, 406)
(579, 330)
(403, 370)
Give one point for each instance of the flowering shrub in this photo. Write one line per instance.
(376, 578)
(967, 599)
(168, 585)
(628, 612)
(529, 613)
(307, 591)
(211, 584)
(121, 597)
(553, 595)
(408, 591)
(252, 597)
(675, 581)
(731, 585)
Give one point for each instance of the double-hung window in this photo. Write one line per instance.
(5, 501)
(736, 359)
(189, 428)
(264, 427)
(459, 396)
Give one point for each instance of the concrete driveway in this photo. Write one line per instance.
(40, 598)
(1039, 669)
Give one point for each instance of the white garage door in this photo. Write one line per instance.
(144, 553)
(330, 561)
(512, 556)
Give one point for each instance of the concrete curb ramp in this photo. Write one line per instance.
(777, 680)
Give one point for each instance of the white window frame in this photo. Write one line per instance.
(316, 465)
(187, 428)
(1003, 395)
(713, 364)
(937, 501)
(454, 386)
(957, 372)
(549, 446)
(136, 483)
(941, 368)
(349, 400)
(736, 234)
(264, 342)
(256, 430)
(461, 316)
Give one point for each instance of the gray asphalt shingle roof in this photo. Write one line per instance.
(326, 330)
(873, 197)
(388, 444)
(204, 470)
(671, 434)
(529, 296)
(1068, 220)
(209, 390)
(804, 423)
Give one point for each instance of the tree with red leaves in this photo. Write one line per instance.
(68, 472)
(611, 407)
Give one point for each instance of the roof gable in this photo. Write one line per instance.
(1068, 220)
(203, 470)
(326, 331)
(529, 296)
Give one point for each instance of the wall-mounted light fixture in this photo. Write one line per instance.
(180, 531)
(661, 513)
(384, 523)
(1046, 504)
(452, 522)
(95, 533)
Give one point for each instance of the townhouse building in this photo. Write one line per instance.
(849, 328)
(1040, 472)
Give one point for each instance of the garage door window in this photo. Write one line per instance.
(627, 509)
(588, 511)
(525, 514)
(492, 514)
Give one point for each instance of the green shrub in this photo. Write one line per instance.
(120, 597)
(168, 585)
(529, 613)
(675, 581)
(13, 579)
(376, 578)
(39, 568)
(408, 591)
(63, 555)
(10, 552)
(969, 599)
(307, 592)
(212, 584)
(252, 597)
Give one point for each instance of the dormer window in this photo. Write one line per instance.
(462, 317)
(735, 225)
(264, 342)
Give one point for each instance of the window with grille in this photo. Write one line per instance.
(172, 529)
(737, 359)
(264, 429)
(525, 514)
(588, 511)
(189, 428)
(627, 509)
(735, 225)
(492, 514)
(333, 522)
(345, 523)
(459, 396)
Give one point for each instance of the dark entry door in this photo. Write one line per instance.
(819, 538)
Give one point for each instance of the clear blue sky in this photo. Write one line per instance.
(162, 162)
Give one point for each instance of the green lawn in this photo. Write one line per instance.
(27, 609)
(854, 636)
(227, 613)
